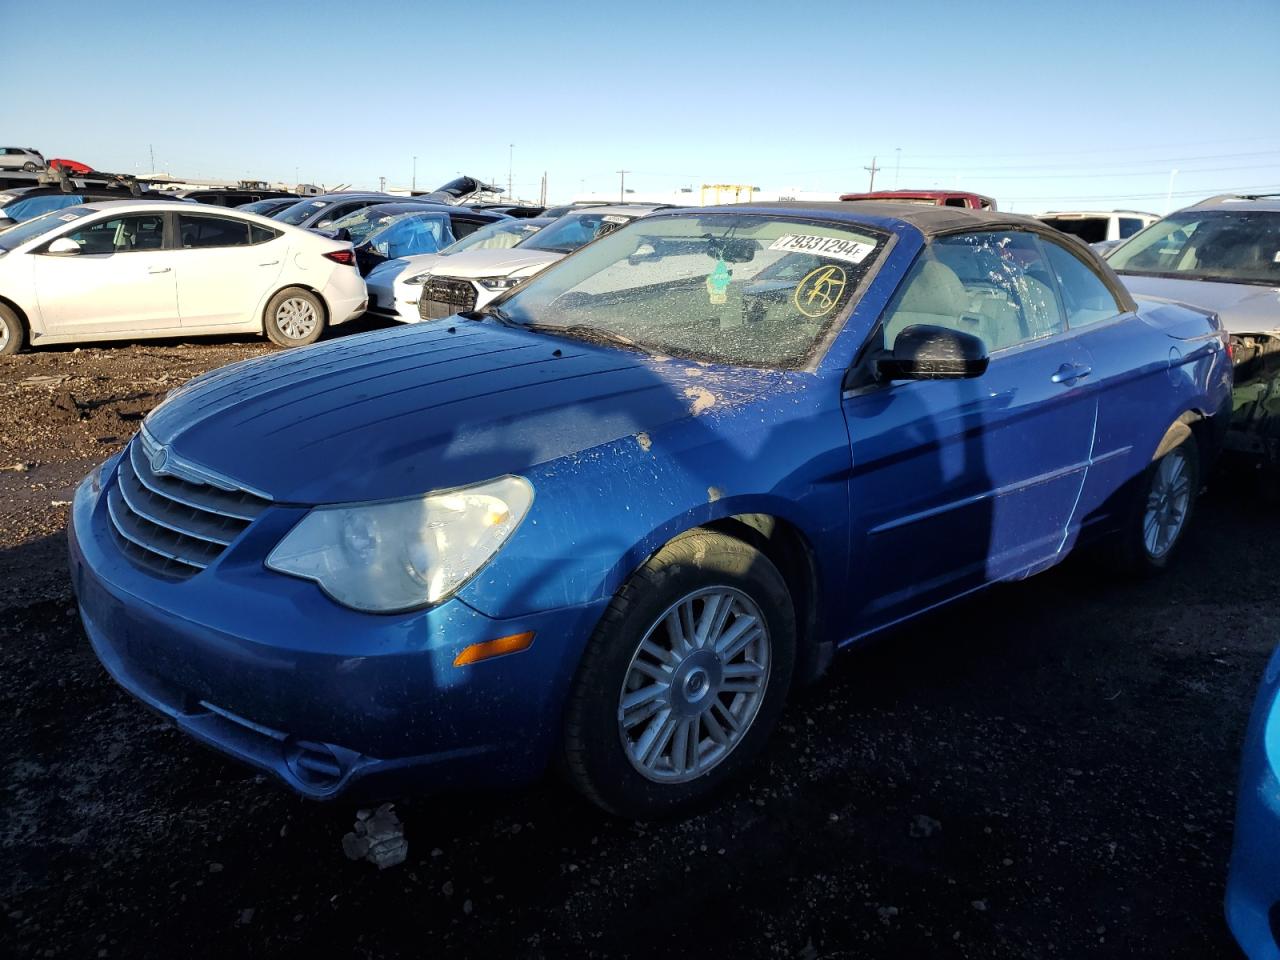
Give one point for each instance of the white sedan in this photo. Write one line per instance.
(395, 285)
(125, 269)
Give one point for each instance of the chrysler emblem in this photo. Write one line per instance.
(159, 460)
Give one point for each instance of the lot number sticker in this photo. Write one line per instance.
(850, 251)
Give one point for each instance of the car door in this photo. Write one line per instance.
(1131, 367)
(957, 483)
(227, 267)
(121, 281)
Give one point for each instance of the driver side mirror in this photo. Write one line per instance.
(322, 224)
(926, 352)
(63, 247)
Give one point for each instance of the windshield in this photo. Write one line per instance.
(740, 289)
(265, 206)
(575, 230)
(299, 211)
(1235, 246)
(495, 236)
(365, 222)
(15, 237)
(410, 234)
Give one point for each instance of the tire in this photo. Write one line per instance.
(633, 647)
(1168, 486)
(13, 335)
(30, 167)
(294, 318)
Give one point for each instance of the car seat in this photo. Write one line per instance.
(933, 295)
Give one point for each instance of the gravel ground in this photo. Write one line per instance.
(1047, 770)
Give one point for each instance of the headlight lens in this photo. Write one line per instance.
(418, 279)
(404, 554)
(499, 283)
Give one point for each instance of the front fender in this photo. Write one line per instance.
(600, 513)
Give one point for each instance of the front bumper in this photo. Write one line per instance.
(394, 300)
(265, 668)
(1253, 884)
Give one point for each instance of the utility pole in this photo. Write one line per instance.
(511, 150)
(622, 186)
(897, 163)
(873, 168)
(543, 198)
(1168, 199)
(152, 148)
(382, 184)
(414, 183)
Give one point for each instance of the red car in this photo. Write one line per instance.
(936, 198)
(71, 166)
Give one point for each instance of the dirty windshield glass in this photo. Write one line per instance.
(743, 289)
(1236, 246)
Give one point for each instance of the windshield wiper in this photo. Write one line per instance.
(583, 331)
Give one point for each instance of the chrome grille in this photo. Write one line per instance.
(178, 519)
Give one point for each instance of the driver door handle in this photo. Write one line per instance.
(1069, 373)
(269, 263)
(159, 269)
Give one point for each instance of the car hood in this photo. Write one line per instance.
(494, 263)
(432, 406)
(1242, 307)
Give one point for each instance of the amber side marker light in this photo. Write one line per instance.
(494, 648)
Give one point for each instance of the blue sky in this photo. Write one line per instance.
(1070, 104)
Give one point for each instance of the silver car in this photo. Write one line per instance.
(21, 158)
(1223, 255)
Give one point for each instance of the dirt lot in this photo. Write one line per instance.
(1045, 771)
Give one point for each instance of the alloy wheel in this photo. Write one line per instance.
(4, 333)
(694, 685)
(1167, 504)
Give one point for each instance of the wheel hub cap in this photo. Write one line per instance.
(296, 318)
(694, 685)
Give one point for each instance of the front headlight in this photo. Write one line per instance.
(499, 283)
(404, 554)
(418, 279)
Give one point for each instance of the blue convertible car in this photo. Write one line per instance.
(616, 517)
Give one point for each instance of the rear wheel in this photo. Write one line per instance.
(294, 318)
(30, 167)
(684, 678)
(1161, 510)
(12, 333)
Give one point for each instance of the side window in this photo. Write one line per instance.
(1129, 226)
(121, 234)
(1084, 294)
(464, 228)
(954, 202)
(996, 286)
(259, 234)
(198, 232)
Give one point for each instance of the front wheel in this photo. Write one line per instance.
(294, 318)
(12, 333)
(684, 678)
